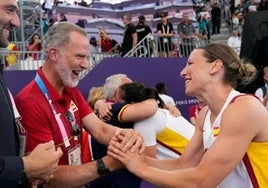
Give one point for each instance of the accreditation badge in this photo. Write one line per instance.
(165, 40)
(74, 156)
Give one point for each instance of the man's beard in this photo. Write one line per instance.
(3, 40)
(65, 73)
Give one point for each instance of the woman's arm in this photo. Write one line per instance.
(225, 153)
(138, 111)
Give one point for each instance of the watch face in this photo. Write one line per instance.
(102, 170)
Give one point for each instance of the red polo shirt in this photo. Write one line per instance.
(39, 120)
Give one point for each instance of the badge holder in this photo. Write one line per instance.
(74, 155)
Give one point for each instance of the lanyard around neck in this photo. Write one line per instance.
(163, 29)
(43, 88)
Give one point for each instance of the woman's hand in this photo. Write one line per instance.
(128, 139)
(132, 159)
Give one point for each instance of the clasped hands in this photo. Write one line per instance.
(128, 147)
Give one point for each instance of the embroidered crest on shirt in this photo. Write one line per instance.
(73, 106)
(216, 131)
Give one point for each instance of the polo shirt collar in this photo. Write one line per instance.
(53, 93)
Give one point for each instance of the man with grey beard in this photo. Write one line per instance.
(52, 107)
(15, 168)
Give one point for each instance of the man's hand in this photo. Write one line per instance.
(133, 160)
(112, 163)
(42, 162)
(129, 140)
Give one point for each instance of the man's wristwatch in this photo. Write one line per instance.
(102, 169)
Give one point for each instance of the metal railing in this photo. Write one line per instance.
(187, 45)
(148, 47)
(23, 60)
(165, 47)
(145, 48)
(95, 58)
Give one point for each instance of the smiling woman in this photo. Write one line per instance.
(212, 74)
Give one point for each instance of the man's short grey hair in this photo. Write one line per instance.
(111, 84)
(128, 17)
(58, 35)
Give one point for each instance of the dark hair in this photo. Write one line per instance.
(32, 40)
(63, 17)
(93, 41)
(163, 14)
(137, 92)
(161, 87)
(236, 71)
(141, 19)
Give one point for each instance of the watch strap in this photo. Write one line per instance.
(102, 169)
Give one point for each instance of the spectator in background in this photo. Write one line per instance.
(187, 33)
(48, 21)
(234, 41)
(263, 5)
(206, 15)
(94, 50)
(142, 31)
(105, 41)
(202, 26)
(130, 37)
(194, 110)
(47, 7)
(165, 34)
(35, 47)
(95, 94)
(161, 88)
(94, 15)
(235, 19)
(262, 92)
(186, 28)
(216, 18)
(83, 3)
(44, 23)
(63, 18)
(252, 6)
(93, 45)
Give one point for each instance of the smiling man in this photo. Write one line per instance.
(52, 107)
